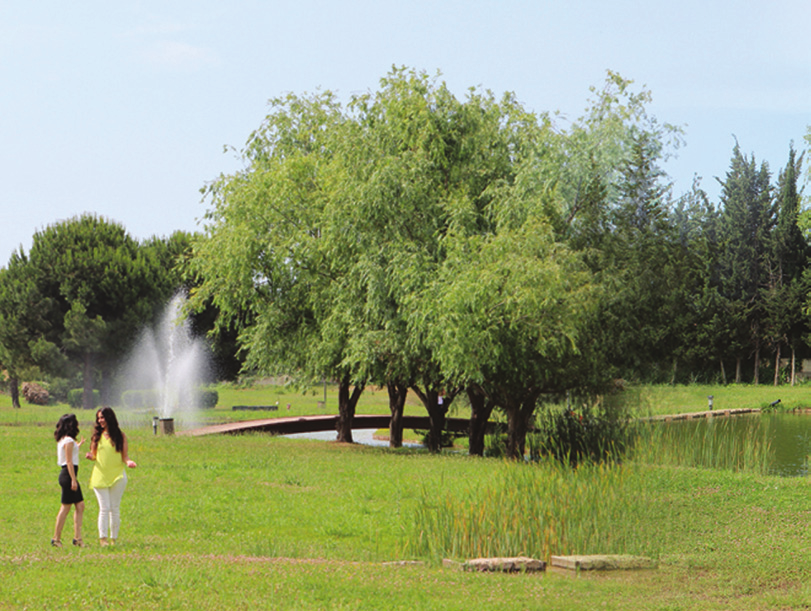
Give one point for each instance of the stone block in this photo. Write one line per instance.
(600, 562)
(518, 564)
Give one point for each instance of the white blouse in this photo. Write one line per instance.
(61, 458)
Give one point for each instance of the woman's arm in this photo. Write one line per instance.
(130, 463)
(69, 463)
(91, 455)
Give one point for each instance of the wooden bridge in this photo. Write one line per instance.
(313, 424)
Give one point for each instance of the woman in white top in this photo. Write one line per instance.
(67, 455)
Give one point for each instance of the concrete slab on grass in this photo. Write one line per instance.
(518, 564)
(602, 563)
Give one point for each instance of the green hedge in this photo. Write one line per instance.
(76, 398)
(140, 398)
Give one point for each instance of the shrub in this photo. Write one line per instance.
(140, 398)
(495, 445)
(59, 389)
(207, 399)
(446, 438)
(577, 436)
(35, 394)
(76, 398)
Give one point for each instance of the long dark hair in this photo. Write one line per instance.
(67, 426)
(116, 436)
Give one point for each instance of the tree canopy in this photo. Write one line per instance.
(82, 295)
(464, 248)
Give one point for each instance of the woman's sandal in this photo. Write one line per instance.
(78, 543)
(56, 543)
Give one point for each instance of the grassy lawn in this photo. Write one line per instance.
(261, 522)
(289, 401)
(665, 399)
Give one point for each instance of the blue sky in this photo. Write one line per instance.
(124, 109)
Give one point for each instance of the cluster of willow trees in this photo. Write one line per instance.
(463, 249)
(410, 239)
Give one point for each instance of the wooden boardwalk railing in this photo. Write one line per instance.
(326, 422)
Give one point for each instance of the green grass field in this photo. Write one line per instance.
(257, 522)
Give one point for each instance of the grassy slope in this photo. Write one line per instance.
(257, 522)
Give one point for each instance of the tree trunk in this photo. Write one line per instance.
(756, 379)
(673, 372)
(87, 395)
(737, 370)
(518, 419)
(793, 364)
(723, 372)
(437, 407)
(14, 389)
(106, 386)
(397, 398)
(346, 408)
(480, 409)
(777, 366)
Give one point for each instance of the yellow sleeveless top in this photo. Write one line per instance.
(109, 467)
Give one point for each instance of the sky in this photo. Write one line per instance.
(127, 109)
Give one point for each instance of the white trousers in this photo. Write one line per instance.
(110, 508)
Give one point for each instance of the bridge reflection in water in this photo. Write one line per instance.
(326, 422)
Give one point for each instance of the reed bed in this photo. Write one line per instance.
(554, 507)
(738, 444)
(544, 509)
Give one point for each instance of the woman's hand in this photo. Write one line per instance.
(131, 464)
(74, 485)
(90, 456)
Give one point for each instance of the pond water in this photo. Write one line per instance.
(361, 436)
(791, 442)
(789, 436)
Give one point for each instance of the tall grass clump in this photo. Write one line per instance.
(739, 444)
(585, 434)
(542, 509)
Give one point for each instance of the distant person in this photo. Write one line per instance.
(67, 457)
(108, 447)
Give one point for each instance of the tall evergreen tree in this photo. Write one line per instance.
(786, 261)
(746, 220)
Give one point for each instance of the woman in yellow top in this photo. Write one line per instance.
(108, 447)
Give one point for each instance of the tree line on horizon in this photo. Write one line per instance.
(464, 249)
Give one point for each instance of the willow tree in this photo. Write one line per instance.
(424, 164)
(273, 260)
(510, 307)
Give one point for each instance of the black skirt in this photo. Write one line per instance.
(69, 497)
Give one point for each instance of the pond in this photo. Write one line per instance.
(787, 434)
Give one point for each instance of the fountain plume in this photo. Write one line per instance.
(167, 368)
